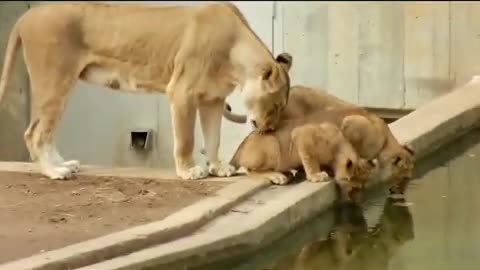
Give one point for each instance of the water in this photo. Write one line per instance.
(437, 226)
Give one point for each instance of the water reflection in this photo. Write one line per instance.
(352, 245)
(338, 239)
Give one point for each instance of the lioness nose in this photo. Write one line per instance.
(254, 123)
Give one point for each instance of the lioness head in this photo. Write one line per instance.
(266, 97)
(397, 163)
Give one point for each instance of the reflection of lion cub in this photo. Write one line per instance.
(196, 54)
(368, 133)
(295, 144)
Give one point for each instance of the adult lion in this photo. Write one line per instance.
(196, 54)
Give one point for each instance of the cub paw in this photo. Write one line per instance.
(277, 178)
(221, 170)
(194, 173)
(72, 165)
(319, 177)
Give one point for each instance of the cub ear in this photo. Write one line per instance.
(285, 59)
(397, 160)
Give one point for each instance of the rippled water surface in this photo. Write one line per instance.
(436, 227)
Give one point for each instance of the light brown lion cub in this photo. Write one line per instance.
(196, 54)
(368, 133)
(296, 144)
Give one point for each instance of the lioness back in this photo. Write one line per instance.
(85, 24)
(305, 100)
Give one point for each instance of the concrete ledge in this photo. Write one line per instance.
(425, 130)
(123, 242)
(440, 121)
(251, 224)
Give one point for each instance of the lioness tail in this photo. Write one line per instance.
(9, 62)
(236, 118)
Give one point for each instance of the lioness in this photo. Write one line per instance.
(196, 54)
(368, 133)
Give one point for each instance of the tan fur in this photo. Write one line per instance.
(297, 144)
(196, 54)
(368, 133)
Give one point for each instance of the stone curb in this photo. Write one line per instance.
(425, 130)
(178, 224)
(265, 224)
(441, 120)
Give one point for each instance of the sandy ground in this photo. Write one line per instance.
(38, 214)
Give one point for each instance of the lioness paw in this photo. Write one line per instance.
(58, 173)
(319, 177)
(277, 178)
(194, 173)
(72, 165)
(221, 170)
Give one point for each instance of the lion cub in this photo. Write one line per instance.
(316, 147)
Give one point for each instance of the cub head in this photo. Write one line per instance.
(267, 95)
(397, 163)
(346, 165)
(365, 169)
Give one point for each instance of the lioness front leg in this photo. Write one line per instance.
(183, 122)
(211, 114)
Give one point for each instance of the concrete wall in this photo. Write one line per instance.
(382, 54)
(13, 108)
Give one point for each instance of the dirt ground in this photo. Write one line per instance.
(38, 214)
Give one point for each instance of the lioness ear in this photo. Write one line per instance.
(285, 59)
(269, 72)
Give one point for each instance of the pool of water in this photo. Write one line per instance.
(436, 226)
